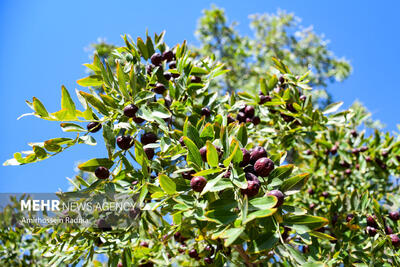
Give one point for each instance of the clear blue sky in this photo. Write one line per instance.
(42, 47)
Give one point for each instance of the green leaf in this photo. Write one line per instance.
(231, 235)
(95, 102)
(312, 222)
(109, 137)
(228, 160)
(207, 172)
(88, 140)
(208, 131)
(92, 80)
(122, 81)
(264, 242)
(281, 172)
(223, 204)
(259, 214)
(332, 108)
(193, 152)
(322, 235)
(294, 184)
(67, 103)
(150, 46)
(242, 134)
(39, 108)
(72, 127)
(141, 158)
(263, 86)
(263, 203)
(221, 216)
(221, 185)
(39, 152)
(211, 184)
(142, 48)
(167, 184)
(212, 154)
(91, 165)
(198, 71)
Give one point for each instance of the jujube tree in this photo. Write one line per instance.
(246, 177)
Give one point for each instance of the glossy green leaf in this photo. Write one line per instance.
(91, 165)
(92, 80)
(167, 184)
(193, 152)
(212, 155)
(294, 184)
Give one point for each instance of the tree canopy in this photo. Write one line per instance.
(227, 150)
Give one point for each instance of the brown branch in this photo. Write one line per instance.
(244, 255)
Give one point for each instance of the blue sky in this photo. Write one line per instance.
(42, 47)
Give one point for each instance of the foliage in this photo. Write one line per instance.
(326, 166)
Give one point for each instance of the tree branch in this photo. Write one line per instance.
(244, 255)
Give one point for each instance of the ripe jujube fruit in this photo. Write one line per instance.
(249, 111)
(102, 172)
(263, 167)
(241, 117)
(130, 110)
(93, 126)
(249, 169)
(149, 152)
(188, 175)
(159, 88)
(289, 106)
(193, 253)
(256, 120)
(156, 59)
(349, 217)
(371, 222)
(395, 240)
(246, 158)
(203, 153)
(230, 119)
(125, 142)
(257, 153)
(149, 69)
(208, 260)
(182, 142)
(198, 183)
(172, 65)
(251, 177)
(325, 194)
(167, 75)
(394, 215)
(388, 230)
(195, 79)
(103, 225)
(264, 99)
(227, 174)
(253, 186)
(282, 79)
(148, 138)
(205, 112)
(279, 195)
(144, 244)
(137, 119)
(168, 55)
(354, 133)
